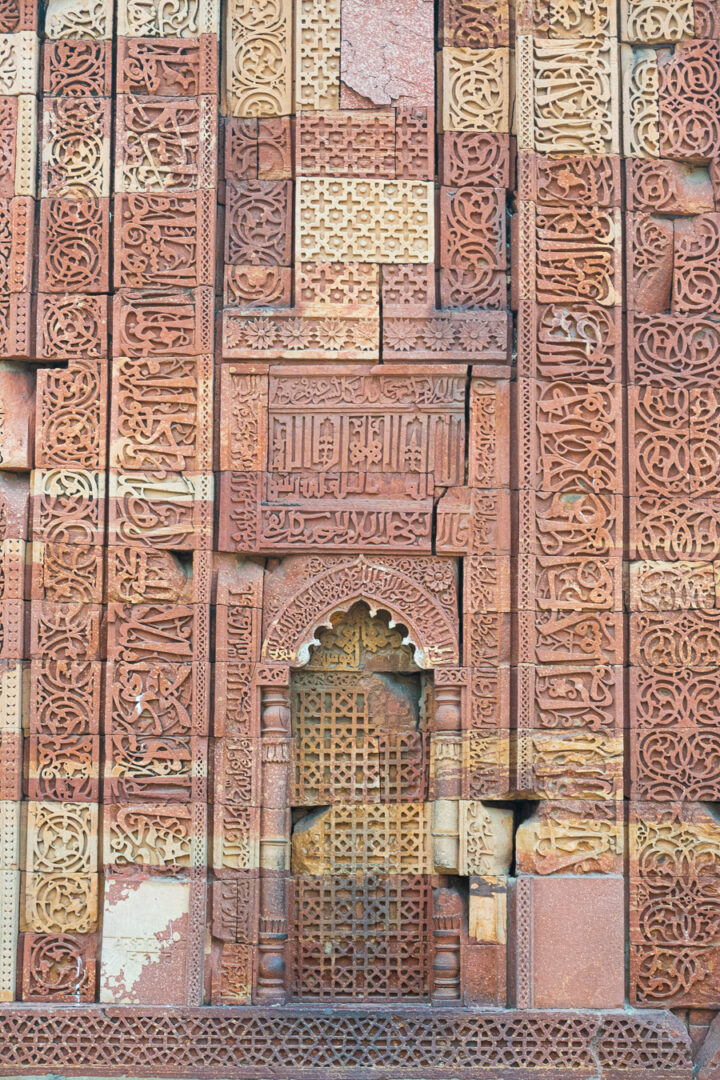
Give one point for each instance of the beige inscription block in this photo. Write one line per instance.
(567, 96)
(375, 221)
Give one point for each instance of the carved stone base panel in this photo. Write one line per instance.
(251, 1043)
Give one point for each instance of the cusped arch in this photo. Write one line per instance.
(430, 629)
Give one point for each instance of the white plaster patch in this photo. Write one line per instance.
(141, 924)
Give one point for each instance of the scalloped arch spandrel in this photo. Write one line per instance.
(290, 630)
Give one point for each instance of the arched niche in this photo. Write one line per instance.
(409, 601)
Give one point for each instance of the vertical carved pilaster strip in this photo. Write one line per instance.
(275, 733)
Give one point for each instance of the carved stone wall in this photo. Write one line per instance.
(359, 539)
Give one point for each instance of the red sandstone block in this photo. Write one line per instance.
(575, 637)
(241, 148)
(15, 505)
(63, 768)
(577, 948)
(162, 240)
(79, 391)
(236, 700)
(258, 286)
(137, 575)
(474, 25)
(275, 134)
(355, 143)
(561, 412)
(233, 967)
(577, 255)
(16, 326)
(258, 222)
(484, 975)
(569, 181)
(74, 246)
(571, 697)
(16, 244)
(653, 976)
(696, 265)
(151, 768)
(72, 325)
(408, 289)
(183, 154)
(475, 158)
(649, 261)
(161, 415)
(380, 63)
(19, 15)
(17, 394)
(163, 321)
(168, 67)
(67, 632)
(67, 573)
(178, 633)
(472, 228)
(11, 766)
(77, 68)
(234, 906)
(466, 288)
(157, 698)
(572, 340)
(415, 143)
(689, 121)
(668, 187)
(236, 770)
(58, 968)
(9, 133)
(68, 506)
(65, 697)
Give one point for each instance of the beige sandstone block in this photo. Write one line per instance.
(487, 910)
(154, 18)
(26, 145)
(317, 54)
(486, 839)
(363, 839)
(59, 903)
(9, 835)
(9, 910)
(19, 63)
(641, 105)
(12, 679)
(258, 67)
(651, 22)
(376, 221)
(85, 19)
(567, 94)
(475, 90)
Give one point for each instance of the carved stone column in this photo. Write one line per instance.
(447, 924)
(446, 768)
(275, 753)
